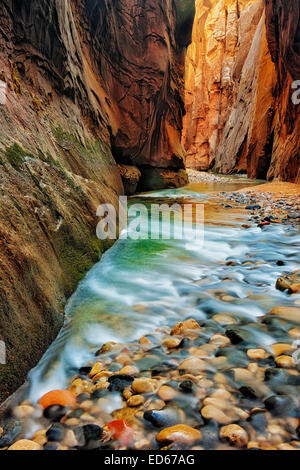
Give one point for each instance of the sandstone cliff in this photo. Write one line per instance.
(88, 83)
(240, 67)
(283, 35)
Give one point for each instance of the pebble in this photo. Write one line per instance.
(281, 348)
(186, 328)
(143, 385)
(294, 289)
(55, 412)
(214, 413)
(224, 319)
(172, 343)
(71, 422)
(156, 405)
(167, 393)
(136, 400)
(23, 411)
(220, 340)
(129, 370)
(70, 439)
(291, 314)
(286, 362)
(294, 333)
(40, 437)
(58, 397)
(179, 433)
(79, 386)
(161, 418)
(186, 386)
(257, 354)
(193, 365)
(98, 367)
(119, 382)
(25, 444)
(124, 359)
(143, 444)
(109, 347)
(92, 432)
(285, 446)
(55, 433)
(235, 435)
(279, 404)
(144, 341)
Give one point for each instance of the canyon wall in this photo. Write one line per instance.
(283, 35)
(133, 46)
(240, 115)
(89, 84)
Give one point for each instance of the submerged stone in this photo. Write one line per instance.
(25, 444)
(55, 412)
(180, 433)
(235, 435)
(280, 405)
(162, 418)
(119, 382)
(55, 433)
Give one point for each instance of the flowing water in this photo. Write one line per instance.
(142, 284)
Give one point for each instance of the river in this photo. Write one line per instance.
(141, 284)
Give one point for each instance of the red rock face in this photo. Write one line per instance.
(283, 35)
(222, 36)
(119, 60)
(131, 48)
(133, 45)
(240, 69)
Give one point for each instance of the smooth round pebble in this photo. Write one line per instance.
(25, 444)
(235, 435)
(143, 385)
(179, 433)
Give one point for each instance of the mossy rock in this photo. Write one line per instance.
(92, 150)
(78, 252)
(16, 154)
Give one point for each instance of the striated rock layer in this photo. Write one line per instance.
(240, 68)
(88, 83)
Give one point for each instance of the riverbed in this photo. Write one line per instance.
(225, 282)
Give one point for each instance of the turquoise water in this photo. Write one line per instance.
(142, 284)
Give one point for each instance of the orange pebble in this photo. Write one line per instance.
(122, 431)
(58, 397)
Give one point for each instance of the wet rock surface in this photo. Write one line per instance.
(271, 203)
